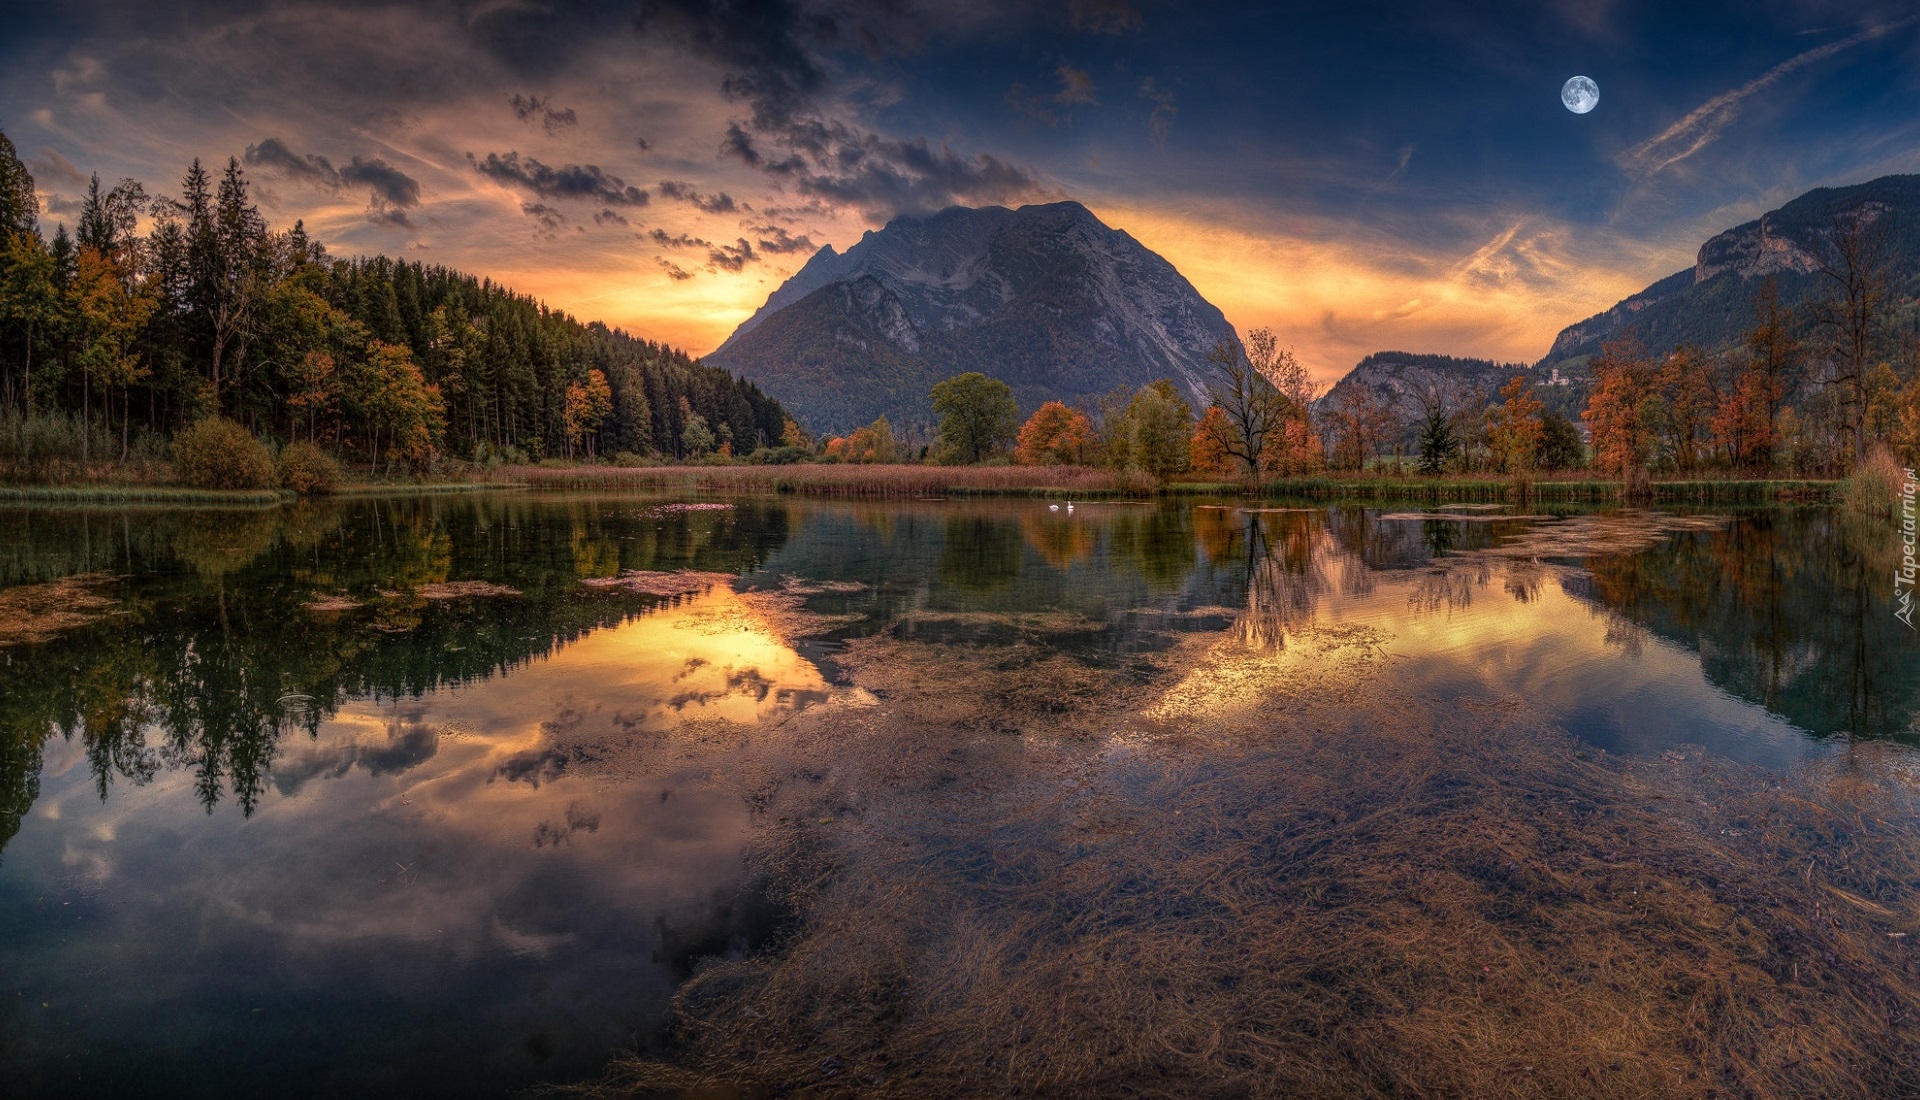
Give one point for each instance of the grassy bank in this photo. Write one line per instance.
(1081, 481)
(902, 482)
(142, 494)
(1466, 489)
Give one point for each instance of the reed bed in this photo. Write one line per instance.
(848, 480)
(1229, 871)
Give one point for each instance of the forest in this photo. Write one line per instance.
(158, 311)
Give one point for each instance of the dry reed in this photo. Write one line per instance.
(847, 480)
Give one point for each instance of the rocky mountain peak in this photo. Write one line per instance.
(1046, 297)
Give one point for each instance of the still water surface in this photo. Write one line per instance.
(431, 796)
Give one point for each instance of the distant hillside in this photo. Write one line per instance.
(1403, 382)
(1046, 298)
(1711, 303)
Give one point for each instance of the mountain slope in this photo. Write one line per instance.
(1404, 382)
(1711, 303)
(1046, 298)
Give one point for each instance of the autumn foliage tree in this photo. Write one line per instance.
(1206, 451)
(1688, 397)
(587, 407)
(1055, 435)
(1745, 424)
(1514, 427)
(404, 415)
(1621, 409)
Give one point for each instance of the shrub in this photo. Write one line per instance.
(217, 453)
(305, 468)
(1874, 486)
(779, 456)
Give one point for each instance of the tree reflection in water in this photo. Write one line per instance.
(212, 655)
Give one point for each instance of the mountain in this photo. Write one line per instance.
(1403, 382)
(1711, 303)
(1045, 298)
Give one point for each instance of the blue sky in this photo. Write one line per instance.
(1357, 175)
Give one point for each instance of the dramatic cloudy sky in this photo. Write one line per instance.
(1359, 175)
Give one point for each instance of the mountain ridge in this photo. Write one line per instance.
(1711, 303)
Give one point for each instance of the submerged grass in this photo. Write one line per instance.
(1225, 870)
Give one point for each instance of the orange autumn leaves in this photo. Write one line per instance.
(1056, 436)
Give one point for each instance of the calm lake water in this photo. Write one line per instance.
(430, 796)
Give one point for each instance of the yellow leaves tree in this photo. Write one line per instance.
(873, 443)
(1055, 436)
(585, 409)
(108, 315)
(1514, 427)
(405, 418)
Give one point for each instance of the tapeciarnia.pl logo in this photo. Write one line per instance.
(1903, 580)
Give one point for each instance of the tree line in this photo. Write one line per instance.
(1775, 401)
(159, 311)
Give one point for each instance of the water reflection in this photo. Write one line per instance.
(269, 740)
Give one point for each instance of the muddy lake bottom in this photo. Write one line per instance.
(637, 795)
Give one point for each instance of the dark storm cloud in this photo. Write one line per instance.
(769, 49)
(568, 181)
(546, 220)
(733, 257)
(777, 241)
(667, 240)
(882, 177)
(540, 109)
(390, 192)
(721, 203)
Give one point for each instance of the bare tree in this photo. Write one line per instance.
(1854, 263)
(1253, 405)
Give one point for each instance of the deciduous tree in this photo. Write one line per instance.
(1055, 436)
(977, 416)
(1514, 427)
(1620, 410)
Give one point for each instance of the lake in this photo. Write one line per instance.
(452, 794)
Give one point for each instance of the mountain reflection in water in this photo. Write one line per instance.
(392, 777)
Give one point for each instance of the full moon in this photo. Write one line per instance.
(1580, 94)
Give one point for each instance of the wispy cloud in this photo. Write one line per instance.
(1704, 123)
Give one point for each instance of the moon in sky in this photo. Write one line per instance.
(1580, 94)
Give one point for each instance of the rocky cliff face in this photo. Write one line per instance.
(1406, 384)
(1711, 304)
(1046, 298)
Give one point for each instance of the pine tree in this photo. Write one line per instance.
(1438, 444)
(19, 208)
